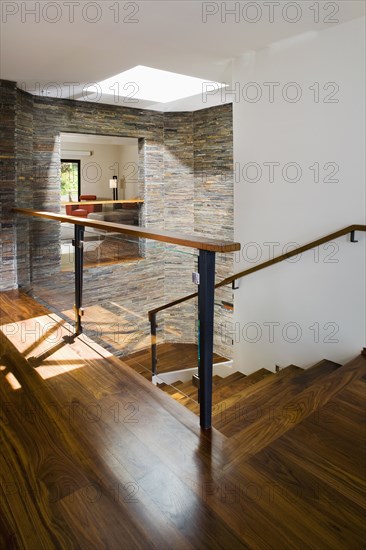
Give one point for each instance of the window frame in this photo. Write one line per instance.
(78, 162)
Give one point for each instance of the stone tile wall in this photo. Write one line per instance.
(185, 179)
(214, 200)
(8, 104)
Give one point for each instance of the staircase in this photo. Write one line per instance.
(260, 399)
(287, 470)
(254, 411)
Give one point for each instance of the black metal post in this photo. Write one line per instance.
(353, 240)
(206, 293)
(115, 192)
(79, 260)
(154, 360)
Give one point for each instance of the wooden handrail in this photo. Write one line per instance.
(106, 201)
(191, 241)
(268, 263)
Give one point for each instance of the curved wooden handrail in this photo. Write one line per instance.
(191, 241)
(268, 263)
(107, 201)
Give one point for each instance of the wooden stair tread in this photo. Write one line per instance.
(223, 380)
(171, 356)
(233, 377)
(230, 388)
(251, 384)
(323, 446)
(182, 398)
(254, 378)
(191, 405)
(267, 393)
(167, 388)
(257, 376)
(308, 376)
(187, 387)
(176, 383)
(176, 393)
(254, 384)
(192, 392)
(289, 368)
(286, 409)
(137, 367)
(226, 384)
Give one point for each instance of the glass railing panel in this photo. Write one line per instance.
(137, 288)
(183, 390)
(48, 257)
(129, 213)
(20, 252)
(44, 270)
(178, 356)
(120, 273)
(180, 322)
(177, 347)
(224, 300)
(123, 279)
(100, 248)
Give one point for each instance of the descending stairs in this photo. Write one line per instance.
(254, 411)
(262, 398)
(140, 369)
(287, 471)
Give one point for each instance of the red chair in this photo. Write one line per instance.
(91, 207)
(85, 208)
(79, 213)
(88, 197)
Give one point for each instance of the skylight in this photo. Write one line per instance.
(154, 85)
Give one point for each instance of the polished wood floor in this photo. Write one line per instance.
(95, 457)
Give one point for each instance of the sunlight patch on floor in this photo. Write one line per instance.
(12, 381)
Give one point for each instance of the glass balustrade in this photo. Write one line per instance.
(124, 277)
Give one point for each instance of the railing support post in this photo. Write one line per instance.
(206, 293)
(353, 239)
(154, 360)
(79, 261)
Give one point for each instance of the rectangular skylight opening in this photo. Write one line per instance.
(155, 85)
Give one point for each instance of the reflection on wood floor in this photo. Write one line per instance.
(115, 328)
(95, 457)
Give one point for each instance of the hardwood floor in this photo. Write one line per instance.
(96, 457)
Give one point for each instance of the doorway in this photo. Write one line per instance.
(70, 180)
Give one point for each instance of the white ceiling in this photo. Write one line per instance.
(168, 35)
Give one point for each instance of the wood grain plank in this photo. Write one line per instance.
(147, 477)
(287, 409)
(316, 498)
(270, 400)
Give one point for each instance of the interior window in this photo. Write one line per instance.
(70, 180)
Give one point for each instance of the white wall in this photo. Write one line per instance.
(106, 161)
(324, 289)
